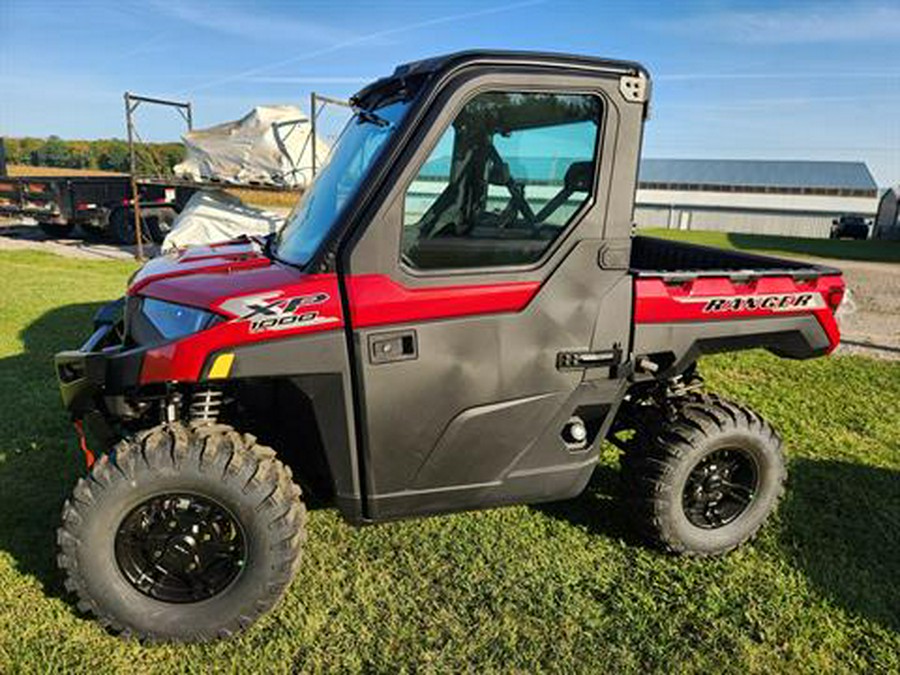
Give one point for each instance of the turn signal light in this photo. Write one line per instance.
(833, 297)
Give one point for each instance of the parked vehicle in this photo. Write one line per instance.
(401, 357)
(99, 205)
(849, 227)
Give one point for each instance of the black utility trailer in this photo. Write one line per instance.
(98, 204)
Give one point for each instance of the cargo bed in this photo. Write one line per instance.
(691, 300)
(674, 260)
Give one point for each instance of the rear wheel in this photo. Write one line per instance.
(57, 229)
(182, 534)
(705, 481)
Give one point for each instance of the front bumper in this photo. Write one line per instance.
(94, 378)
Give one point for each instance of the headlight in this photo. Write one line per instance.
(175, 321)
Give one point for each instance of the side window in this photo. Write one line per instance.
(503, 182)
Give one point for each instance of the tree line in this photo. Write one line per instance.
(105, 154)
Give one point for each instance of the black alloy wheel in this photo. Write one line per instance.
(180, 548)
(182, 533)
(720, 488)
(703, 480)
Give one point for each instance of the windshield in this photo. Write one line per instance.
(349, 161)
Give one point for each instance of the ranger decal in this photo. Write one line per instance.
(780, 302)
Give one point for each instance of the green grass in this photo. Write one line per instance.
(838, 249)
(561, 587)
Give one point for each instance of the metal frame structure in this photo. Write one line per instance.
(314, 110)
(132, 103)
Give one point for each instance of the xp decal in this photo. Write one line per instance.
(268, 312)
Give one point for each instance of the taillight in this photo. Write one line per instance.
(833, 297)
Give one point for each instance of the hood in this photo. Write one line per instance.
(205, 276)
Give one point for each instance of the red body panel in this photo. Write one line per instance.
(265, 300)
(377, 300)
(183, 359)
(720, 298)
(193, 264)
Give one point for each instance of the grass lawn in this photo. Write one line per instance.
(561, 587)
(843, 249)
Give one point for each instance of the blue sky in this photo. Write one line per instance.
(731, 80)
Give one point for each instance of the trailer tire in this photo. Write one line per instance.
(93, 232)
(121, 224)
(182, 533)
(159, 223)
(57, 230)
(704, 481)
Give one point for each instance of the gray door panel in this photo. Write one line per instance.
(474, 416)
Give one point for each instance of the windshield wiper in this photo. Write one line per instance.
(373, 117)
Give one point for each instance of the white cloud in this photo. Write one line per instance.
(813, 23)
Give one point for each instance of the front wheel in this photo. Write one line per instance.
(182, 534)
(705, 481)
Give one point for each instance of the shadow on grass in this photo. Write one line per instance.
(39, 460)
(871, 250)
(600, 509)
(842, 529)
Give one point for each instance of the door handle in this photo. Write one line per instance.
(395, 346)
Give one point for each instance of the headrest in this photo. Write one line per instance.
(579, 177)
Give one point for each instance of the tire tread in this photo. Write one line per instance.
(235, 457)
(650, 463)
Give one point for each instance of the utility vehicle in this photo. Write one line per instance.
(455, 316)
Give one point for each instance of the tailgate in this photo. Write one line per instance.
(679, 316)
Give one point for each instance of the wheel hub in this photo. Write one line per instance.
(180, 548)
(720, 488)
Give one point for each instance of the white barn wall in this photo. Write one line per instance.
(746, 222)
(795, 215)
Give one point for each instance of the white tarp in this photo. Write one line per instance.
(269, 145)
(212, 216)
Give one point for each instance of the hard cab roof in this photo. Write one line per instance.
(409, 77)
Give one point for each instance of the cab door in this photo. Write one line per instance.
(483, 319)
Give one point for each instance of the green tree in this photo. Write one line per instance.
(113, 156)
(54, 152)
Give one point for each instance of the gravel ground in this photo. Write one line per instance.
(18, 235)
(869, 318)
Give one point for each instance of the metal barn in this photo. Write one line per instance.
(790, 198)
